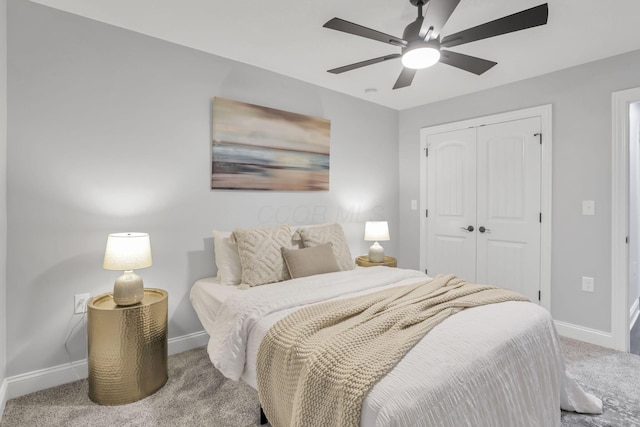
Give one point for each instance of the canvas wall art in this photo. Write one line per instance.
(261, 148)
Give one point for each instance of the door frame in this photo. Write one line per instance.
(545, 114)
(620, 139)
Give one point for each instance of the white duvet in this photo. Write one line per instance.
(494, 365)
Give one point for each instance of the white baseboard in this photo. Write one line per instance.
(633, 313)
(592, 336)
(187, 342)
(19, 385)
(3, 397)
(30, 382)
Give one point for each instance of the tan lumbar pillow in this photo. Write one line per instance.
(310, 261)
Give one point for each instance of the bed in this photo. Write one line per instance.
(494, 365)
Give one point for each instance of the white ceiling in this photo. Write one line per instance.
(286, 36)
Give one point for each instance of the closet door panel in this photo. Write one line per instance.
(508, 208)
(451, 203)
(505, 264)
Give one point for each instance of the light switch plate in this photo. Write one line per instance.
(414, 205)
(588, 284)
(588, 207)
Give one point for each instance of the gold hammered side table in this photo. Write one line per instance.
(389, 261)
(127, 348)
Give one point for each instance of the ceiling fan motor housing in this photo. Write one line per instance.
(412, 31)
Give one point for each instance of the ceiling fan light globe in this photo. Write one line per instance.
(420, 57)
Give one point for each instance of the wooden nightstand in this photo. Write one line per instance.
(389, 261)
(127, 348)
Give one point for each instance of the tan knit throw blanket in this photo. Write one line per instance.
(316, 365)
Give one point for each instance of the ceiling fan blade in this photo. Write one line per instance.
(363, 63)
(358, 30)
(465, 62)
(518, 21)
(405, 78)
(437, 14)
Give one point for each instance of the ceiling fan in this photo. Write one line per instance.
(421, 44)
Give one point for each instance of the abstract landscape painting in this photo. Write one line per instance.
(261, 148)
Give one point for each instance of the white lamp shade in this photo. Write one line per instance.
(127, 251)
(376, 231)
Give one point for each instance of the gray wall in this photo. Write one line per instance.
(634, 204)
(3, 188)
(110, 131)
(581, 245)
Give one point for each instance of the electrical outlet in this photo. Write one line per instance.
(588, 207)
(80, 303)
(588, 284)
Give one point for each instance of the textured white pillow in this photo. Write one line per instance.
(314, 236)
(296, 237)
(227, 259)
(260, 253)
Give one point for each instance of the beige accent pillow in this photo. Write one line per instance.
(260, 255)
(309, 261)
(314, 236)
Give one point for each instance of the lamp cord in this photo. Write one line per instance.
(66, 343)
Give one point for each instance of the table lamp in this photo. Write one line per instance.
(127, 251)
(376, 231)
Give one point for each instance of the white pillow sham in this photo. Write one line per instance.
(227, 258)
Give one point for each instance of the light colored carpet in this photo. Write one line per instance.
(196, 394)
(610, 375)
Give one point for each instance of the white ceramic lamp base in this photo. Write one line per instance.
(376, 253)
(128, 289)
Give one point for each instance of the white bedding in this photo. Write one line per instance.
(207, 296)
(495, 365)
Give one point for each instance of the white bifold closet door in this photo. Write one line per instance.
(483, 201)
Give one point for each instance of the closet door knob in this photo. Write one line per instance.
(469, 228)
(484, 230)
